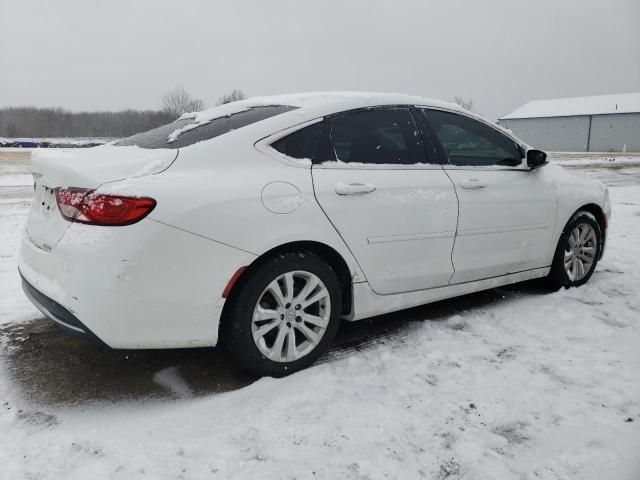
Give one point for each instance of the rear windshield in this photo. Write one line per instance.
(159, 137)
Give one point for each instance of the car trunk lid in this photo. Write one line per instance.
(84, 168)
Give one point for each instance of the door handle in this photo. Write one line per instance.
(473, 184)
(354, 188)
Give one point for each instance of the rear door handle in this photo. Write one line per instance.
(473, 184)
(354, 188)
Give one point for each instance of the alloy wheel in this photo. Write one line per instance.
(291, 316)
(580, 252)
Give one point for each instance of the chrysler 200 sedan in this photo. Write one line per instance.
(263, 223)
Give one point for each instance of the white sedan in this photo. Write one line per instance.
(261, 224)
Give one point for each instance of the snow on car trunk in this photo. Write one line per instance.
(92, 167)
(89, 169)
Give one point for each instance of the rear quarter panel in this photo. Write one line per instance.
(215, 190)
(146, 285)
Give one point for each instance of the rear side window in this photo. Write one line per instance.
(160, 137)
(469, 142)
(377, 136)
(300, 144)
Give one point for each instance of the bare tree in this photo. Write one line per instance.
(467, 104)
(179, 101)
(234, 96)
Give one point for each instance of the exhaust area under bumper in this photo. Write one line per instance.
(59, 314)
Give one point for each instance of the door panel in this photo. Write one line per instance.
(505, 222)
(399, 223)
(506, 211)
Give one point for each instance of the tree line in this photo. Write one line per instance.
(32, 122)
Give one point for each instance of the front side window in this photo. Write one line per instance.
(468, 142)
(377, 136)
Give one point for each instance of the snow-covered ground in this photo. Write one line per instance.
(511, 384)
(595, 159)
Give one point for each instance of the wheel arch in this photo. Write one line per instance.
(321, 250)
(598, 213)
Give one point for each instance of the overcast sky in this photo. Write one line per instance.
(110, 55)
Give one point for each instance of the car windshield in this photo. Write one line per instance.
(187, 131)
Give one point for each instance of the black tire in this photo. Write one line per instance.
(558, 276)
(237, 333)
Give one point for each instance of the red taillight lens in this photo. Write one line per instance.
(85, 206)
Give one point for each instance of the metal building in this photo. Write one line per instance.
(602, 123)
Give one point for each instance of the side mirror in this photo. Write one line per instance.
(536, 158)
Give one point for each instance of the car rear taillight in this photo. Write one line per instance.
(83, 205)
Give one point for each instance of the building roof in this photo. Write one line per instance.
(568, 107)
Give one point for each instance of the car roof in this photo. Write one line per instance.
(308, 106)
(314, 104)
(348, 100)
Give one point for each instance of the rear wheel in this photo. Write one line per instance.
(577, 252)
(284, 316)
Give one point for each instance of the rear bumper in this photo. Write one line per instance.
(146, 285)
(56, 312)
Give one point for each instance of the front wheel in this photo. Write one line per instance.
(284, 316)
(577, 252)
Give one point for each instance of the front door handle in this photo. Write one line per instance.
(354, 188)
(473, 184)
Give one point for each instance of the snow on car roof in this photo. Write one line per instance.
(567, 107)
(330, 101)
(339, 99)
